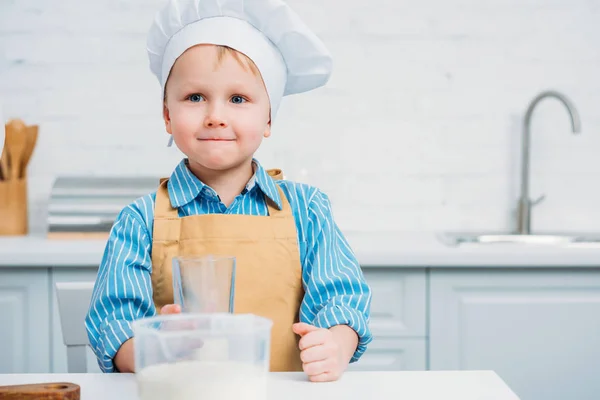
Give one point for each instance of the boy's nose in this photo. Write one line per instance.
(214, 121)
(215, 117)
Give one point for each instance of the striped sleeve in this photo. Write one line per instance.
(336, 291)
(123, 289)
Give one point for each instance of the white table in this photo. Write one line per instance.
(405, 385)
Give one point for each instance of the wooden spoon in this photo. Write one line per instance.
(4, 160)
(32, 135)
(16, 142)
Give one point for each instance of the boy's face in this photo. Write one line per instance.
(217, 111)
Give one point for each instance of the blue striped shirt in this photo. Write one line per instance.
(335, 289)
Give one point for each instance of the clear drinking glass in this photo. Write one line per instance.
(204, 284)
(212, 356)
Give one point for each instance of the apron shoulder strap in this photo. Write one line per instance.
(162, 206)
(286, 208)
(275, 173)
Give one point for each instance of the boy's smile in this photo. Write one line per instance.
(216, 108)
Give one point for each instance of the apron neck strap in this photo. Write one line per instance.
(162, 206)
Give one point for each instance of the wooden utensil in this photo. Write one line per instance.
(46, 391)
(16, 142)
(4, 164)
(31, 132)
(4, 161)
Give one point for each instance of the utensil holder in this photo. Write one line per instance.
(13, 207)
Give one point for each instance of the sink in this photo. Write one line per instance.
(559, 239)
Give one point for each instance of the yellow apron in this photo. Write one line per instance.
(268, 278)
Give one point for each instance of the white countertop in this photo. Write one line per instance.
(372, 250)
(413, 385)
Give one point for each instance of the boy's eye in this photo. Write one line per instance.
(237, 99)
(195, 98)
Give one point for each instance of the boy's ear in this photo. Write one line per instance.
(167, 118)
(268, 130)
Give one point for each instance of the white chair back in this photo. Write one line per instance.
(73, 304)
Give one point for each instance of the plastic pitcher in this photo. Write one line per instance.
(202, 356)
(204, 284)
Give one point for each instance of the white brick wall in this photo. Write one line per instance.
(422, 120)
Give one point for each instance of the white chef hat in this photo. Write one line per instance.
(289, 56)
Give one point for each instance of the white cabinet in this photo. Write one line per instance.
(398, 320)
(398, 307)
(24, 320)
(393, 355)
(538, 329)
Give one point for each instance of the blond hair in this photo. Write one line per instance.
(223, 51)
(241, 58)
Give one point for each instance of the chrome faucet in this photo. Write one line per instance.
(525, 204)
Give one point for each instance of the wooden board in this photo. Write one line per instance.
(46, 391)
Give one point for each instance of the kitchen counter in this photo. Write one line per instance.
(414, 385)
(373, 250)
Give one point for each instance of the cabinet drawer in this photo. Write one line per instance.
(398, 307)
(393, 355)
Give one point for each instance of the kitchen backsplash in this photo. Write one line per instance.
(418, 129)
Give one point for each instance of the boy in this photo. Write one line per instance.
(222, 79)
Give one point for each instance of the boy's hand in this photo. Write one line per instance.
(124, 359)
(322, 354)
(170, 309)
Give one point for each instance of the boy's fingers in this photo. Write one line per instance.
(170, 309)
(313, 354)
(314, 338)
(324, 377)
(302, 328)
(315, 368)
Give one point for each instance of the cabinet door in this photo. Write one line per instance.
(398, 315)
(539, 329)
(398, 306)
(24, 320)
(59, 350)
(393, 355)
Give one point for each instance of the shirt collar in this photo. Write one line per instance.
(184, 186)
